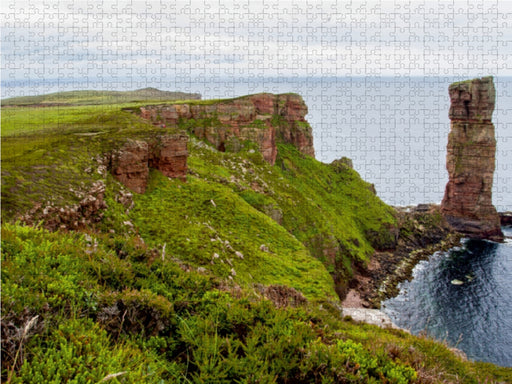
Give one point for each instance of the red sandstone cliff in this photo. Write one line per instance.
(467, 203)
(262, 118)
(130, 164)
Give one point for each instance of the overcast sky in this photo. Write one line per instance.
(112, 41)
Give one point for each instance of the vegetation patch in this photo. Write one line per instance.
(227, 277)
(184, 325)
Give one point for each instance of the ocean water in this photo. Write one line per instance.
(463, 297)
(395, 129)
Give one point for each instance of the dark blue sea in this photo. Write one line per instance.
(395, 130)
(463, 297)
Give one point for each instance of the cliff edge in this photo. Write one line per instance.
(262, 118)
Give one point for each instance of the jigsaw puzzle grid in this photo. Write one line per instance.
(373, 74)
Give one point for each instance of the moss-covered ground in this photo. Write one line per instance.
(169, 289)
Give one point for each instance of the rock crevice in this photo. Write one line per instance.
(470, 161)
(130, 164)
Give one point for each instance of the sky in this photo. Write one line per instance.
(118, 43)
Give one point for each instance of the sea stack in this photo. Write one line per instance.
(467, 203)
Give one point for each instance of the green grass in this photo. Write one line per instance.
(108, 305)
(171, 288)
(49, 153)
(98, 97)
(199, 220)
(331, 211)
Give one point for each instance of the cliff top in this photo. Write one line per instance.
(484, 79)
(472, 99)
(95, 97)
(232, 99)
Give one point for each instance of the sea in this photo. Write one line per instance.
(462, 297)
(395, 130)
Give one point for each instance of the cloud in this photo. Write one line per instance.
(274, 38)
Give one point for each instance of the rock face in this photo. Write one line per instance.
(262, 118)
(169, 155)
(130, 164)
(467, 203)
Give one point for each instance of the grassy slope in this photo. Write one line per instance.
(98, 97)
(177, 324)
(107, 305)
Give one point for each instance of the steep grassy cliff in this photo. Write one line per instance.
(230, 276)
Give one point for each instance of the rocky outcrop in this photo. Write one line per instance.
(506, 218)
(130, 164)
(87, 212)
(467, 203)
(169, 155)
(263, 118)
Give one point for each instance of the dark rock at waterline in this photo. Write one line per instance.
(422, 230)
(505, 218)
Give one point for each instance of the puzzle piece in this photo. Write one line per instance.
(373, 74)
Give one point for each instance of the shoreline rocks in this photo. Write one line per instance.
(370, 316)
(422, 231)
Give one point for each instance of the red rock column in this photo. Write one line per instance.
(467, 203)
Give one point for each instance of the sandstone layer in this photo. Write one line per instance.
(131, 163)
(470, 161)
(262, 118)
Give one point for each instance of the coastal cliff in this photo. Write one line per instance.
(262, 118)
(470, 160)
(131, 163)
(227, 263)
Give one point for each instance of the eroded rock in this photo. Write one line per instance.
(82, 215)
(470, 161)
(263, 118)
(131, 163)
(169, 155)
